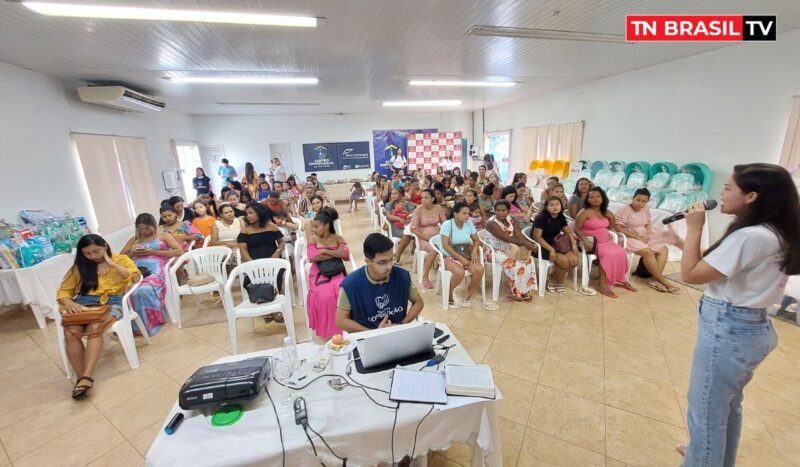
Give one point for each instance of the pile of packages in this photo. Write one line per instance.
(41, 235)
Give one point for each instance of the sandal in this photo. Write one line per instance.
(560, 288)
(625, 285)
(269, 318)
(674, 290)
(551, 286)
(608, 293)
(279, 318)
(588, 291)
(79, 391)
(681, 450)
(526, 297)
(427, 284)
(451, 304)
(655, 285)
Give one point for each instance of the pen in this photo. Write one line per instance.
(174, 423)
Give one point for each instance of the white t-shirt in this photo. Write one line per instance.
(398, 161)
(750, 260)
(279, 174)
(449, 165)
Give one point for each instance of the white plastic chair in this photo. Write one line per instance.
(544, 265)
(419, 257)
(383, 221)
(497, 270)
(206, 241)
(304, 283)
(122, 328)
(373, 217)
(210, 260)
(588, 259)
(260, 271)
(793, 290)
(445, 276)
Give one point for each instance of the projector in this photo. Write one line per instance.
(224, 383)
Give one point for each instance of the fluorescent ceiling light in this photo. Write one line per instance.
(480, 84)
(445, 103)
(546, 34)
(165, 14)
(240, 80)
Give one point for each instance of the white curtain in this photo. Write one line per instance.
(101, 171)
(135, 165)
(790, 155)
(552, 142)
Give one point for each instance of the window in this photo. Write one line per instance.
(188, 161)
(117, 172)
(498, 143)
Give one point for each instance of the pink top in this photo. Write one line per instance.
(639, 223)
(428, 223)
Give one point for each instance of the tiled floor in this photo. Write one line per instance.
(587, 381)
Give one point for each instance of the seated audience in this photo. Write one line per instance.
(202, 220)
(482, 180)
(439, 177)
(486, 201)
(98, 276)
(184, 232)
(509, 194)
(595, 221)
(425, 223)
(232, 198)
(471, 183)
(558, 192)
(274, 203)
(633, 220)
(449, 191)
(263, 191)
(460, 245)
(414, 193)
(512, 250)
(471, 200)
(304, 205)
(245, 197)
(226, 229)
(438, 194)
(398, 214)
(548, 192)
(151, 249)
(377, 295)
(315, 207)
(260, 238)
(210, 202)
(578, 199)
(177, 203)
(547, 225)
(323, 289)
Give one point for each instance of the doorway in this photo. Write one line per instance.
(188, 161)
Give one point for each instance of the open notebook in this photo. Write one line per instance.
(469, 380)
(418, 386)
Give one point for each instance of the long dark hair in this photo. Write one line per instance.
(545, 212)
(87, 269)
(249, 173)
(508, 190)
(604, 204)
(430, 192)
(202, 170)
(328, 217)
(264, 214)
(777, 205)
(575, 192)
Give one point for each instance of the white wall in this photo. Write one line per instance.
(40, 167)
(247, 138)
(724, 107)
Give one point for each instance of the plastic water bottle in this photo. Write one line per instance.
(290, 350)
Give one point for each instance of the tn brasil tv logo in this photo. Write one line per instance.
(699, 28)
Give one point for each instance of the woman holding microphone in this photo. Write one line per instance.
(745, 273)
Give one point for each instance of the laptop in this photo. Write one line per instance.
(395, 344)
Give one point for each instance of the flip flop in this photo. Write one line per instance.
(655, 285)
(608, 293)
(626, 286)
(587, 291)
(674, 290)
(79, 392)
(427, 284)
(560, 288)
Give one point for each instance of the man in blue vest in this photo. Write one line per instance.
(377, 295)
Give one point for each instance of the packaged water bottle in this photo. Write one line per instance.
(290, 349)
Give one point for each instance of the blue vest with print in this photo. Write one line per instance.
(369, 302)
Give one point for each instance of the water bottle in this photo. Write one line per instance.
(290, 350)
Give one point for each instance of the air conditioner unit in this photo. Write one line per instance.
(119, 97)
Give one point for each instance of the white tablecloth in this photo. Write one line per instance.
(352, 425)
(35, 286)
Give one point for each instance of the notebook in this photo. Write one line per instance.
(418, 386)
(469, 380)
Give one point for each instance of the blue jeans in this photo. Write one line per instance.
(731, 343)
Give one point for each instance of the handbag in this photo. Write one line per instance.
(463, 249)
(145, 271)
(91, 315)
(329, 269)
(517, 252)
(562, 243)
(200, 279)
(261, 293)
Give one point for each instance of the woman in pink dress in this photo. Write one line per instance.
(595, 220)
(634, 221)
(425, 223)
(323, 292)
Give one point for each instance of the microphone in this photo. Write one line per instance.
(708, 205)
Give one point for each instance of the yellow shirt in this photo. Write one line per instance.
(110, 283)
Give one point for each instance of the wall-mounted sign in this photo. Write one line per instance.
(321, 157)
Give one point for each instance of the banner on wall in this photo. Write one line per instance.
(353, 155)
(320, 157)
(427, 150)
(386, 143)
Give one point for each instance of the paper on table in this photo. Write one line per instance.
(470, 376)
(418, 386)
